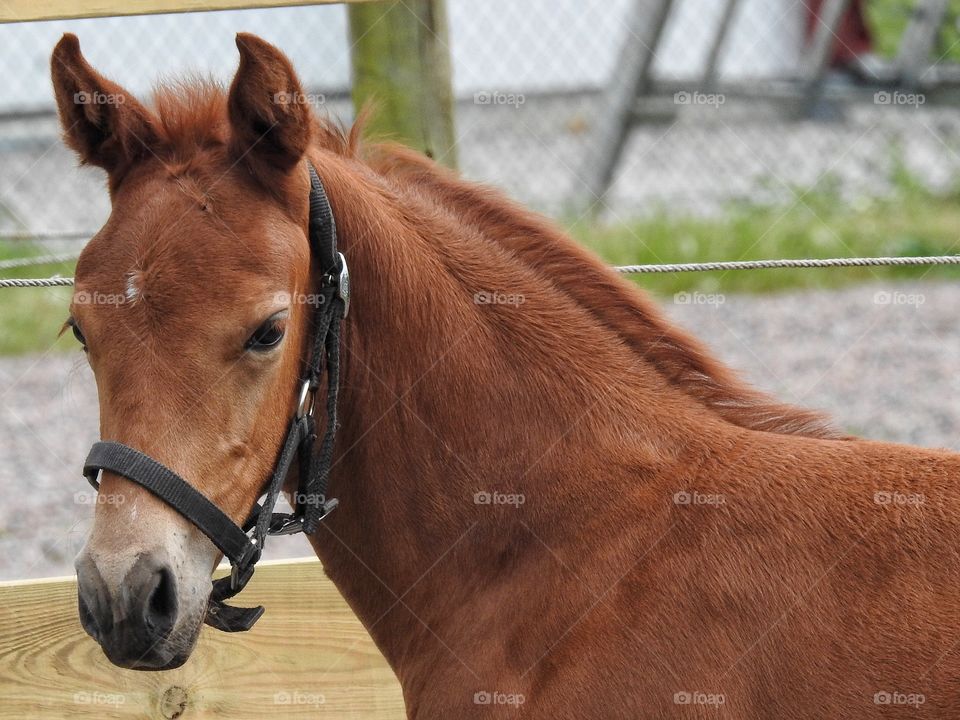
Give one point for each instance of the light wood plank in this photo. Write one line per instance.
(307, 657)
(30, 10)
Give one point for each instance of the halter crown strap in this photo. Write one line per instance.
(323, 228)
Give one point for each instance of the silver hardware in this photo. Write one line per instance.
(328, 507)
(288, 527)
(343, 284)
(305, 404)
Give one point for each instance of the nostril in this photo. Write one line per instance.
(92, 599)
(161, 609)
(87, 618)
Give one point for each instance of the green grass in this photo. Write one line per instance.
(888, 19)
(31, 318)
(913, 222)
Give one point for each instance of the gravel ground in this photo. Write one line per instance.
(699, 161)
(882, 360)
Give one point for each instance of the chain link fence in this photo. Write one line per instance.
(532, 81)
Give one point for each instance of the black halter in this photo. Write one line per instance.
(239, 545)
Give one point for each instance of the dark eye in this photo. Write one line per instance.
(77, 333)
(267, 336)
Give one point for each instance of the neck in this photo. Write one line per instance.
(470, 429)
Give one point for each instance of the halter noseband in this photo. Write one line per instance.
(243, 545)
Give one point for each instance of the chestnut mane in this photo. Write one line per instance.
(612, 301)
(193, 115)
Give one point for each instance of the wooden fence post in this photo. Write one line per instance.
(401, 61)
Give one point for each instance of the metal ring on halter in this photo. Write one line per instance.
(343, 285)
(307, 399)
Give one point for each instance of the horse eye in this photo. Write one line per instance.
(267, 336)
(77, 333)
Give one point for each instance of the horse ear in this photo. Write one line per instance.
(101, 121)
(270, 120)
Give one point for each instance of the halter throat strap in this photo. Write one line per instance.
(243, 545)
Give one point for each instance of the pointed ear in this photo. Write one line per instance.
(101, 121)
(270, 118)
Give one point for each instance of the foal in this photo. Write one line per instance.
(553, 504)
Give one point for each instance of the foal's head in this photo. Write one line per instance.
(183, 305)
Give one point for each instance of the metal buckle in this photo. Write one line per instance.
(343, 284)
(290, 526)
(306, 402)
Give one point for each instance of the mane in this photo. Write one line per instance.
(192, 115)
(618, 305)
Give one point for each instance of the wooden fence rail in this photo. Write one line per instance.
(28, 10)
(307, 657)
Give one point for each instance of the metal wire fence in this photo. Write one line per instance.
(715, 122)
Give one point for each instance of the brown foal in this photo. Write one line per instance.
(553, 504)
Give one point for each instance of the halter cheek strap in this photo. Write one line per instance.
(243, 545)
